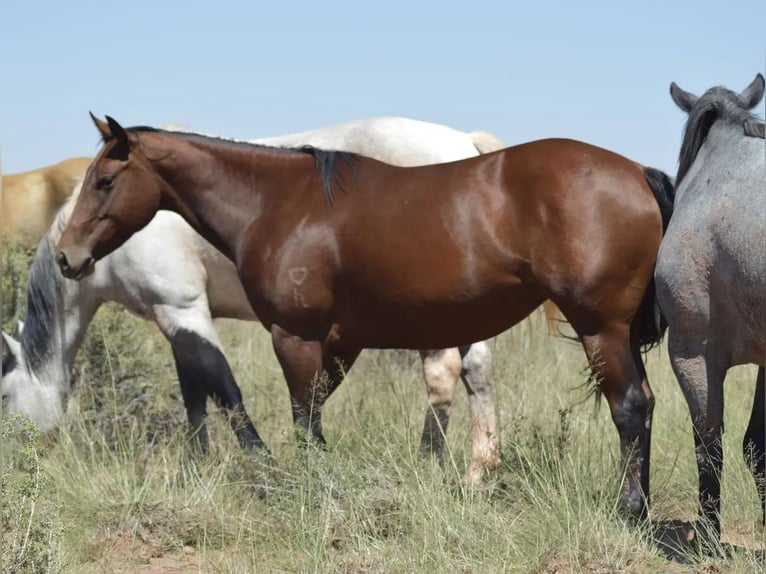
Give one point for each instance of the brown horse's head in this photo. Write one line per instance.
(120, 194)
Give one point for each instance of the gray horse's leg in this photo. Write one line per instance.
(754, 444)
(477, 377)
(701, 380)
(441, 369)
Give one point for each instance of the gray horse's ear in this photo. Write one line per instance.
(752, 94)
(19, 327)
(11, 347)
(754, 128)
(684, 100)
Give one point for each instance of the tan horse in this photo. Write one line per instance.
(31, 199)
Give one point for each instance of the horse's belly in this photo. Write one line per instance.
(435, 324)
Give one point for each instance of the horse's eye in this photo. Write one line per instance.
(105, 182)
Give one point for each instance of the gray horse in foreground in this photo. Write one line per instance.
(711, 275)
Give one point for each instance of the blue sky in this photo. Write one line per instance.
(594, 71)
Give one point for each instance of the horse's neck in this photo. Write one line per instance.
(710, 162)
(220, 193)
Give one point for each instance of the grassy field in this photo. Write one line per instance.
(115, 490)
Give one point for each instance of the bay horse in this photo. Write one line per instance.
(187, 283)
(338, 252)
(711, 276)
(31, 199)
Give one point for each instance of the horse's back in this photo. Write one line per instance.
(31, 199)
(470, 237)
(65, 175)
(398, 141)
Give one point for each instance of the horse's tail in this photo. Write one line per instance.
(485, 142)
(652, 323)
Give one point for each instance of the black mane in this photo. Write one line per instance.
(717, 104)
(326, 160)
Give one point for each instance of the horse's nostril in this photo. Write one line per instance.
(61, 260)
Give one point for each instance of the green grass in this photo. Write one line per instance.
(114, 490)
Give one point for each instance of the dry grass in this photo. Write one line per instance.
(114, 490)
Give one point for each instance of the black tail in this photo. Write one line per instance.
(652, 323)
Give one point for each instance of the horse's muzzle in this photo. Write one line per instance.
(76, 271)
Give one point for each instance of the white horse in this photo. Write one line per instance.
(711, 274)
(169, 274)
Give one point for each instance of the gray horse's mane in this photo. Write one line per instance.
(717, 104)
(44, 291)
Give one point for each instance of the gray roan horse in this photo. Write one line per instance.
(185, 283)
(711, 274)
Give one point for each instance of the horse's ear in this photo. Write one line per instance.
(684, 100)
(118, 132)
(752, 94)
(11, 348)
(102, 127)
(19, 327)
(754, 128)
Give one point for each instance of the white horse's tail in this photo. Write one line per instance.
(485, 142)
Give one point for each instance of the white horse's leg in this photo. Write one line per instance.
(203, 370)
(477, 376)
(701, 380)
(754, 443)
(441, 369)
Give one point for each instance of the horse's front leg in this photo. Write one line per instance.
(312, 374)
(204, 371)
(754, 443)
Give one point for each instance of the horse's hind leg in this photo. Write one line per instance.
(701, 380)
(754, 444)
(477, 377)
(441, 369)
(621, 377)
